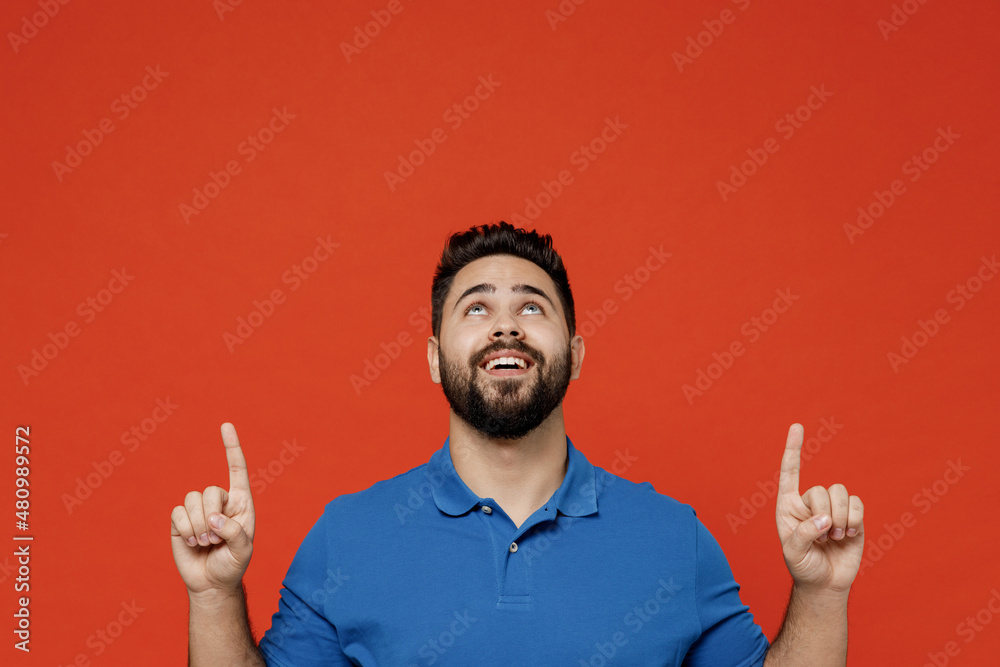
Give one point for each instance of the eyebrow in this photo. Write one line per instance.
(489, 288)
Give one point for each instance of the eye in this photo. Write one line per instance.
(534, 305)
(469, 310)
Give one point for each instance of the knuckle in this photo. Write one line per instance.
(192, 499)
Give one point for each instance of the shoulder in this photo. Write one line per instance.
(638, 505)
(638, 495)
(415, 486)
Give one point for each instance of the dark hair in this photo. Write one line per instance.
(498, 239)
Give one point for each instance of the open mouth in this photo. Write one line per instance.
(507, 366)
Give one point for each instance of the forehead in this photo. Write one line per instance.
(504, 271)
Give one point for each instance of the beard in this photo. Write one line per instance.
(506, 407)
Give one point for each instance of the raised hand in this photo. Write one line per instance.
(822, 531)
(212, 557)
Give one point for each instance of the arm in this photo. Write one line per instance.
(211, 535)
(219, 632)
(822, 539)
(814, 632)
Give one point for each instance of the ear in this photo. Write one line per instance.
(433, 359)
(576, 345)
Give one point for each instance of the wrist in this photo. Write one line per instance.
(820, 597)
(216, 598)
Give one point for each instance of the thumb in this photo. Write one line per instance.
(807, 532)
(232, 532)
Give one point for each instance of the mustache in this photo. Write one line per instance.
(515, 345)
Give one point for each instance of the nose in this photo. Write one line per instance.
(504, 331)
(506, 326)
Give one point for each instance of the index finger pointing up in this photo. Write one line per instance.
(788, 480)
(239, 478)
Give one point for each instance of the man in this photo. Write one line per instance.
(508, 547)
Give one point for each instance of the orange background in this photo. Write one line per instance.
(64, 233)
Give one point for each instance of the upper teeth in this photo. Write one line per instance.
(521, 363)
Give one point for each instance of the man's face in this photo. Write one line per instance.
(503, 307)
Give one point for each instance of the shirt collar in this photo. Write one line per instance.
(576, 496)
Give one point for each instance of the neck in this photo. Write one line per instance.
(520, 475)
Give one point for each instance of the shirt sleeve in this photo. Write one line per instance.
(300, 634)
(729, 635)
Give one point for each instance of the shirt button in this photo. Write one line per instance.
(487, 509)
(513, 547)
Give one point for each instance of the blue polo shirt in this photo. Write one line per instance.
(419, 570)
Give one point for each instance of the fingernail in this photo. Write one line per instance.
(203, 538)
(851, 532)
(822, 522)
(214, 539)
(838, 533)
(216, 521)
(192, 541)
